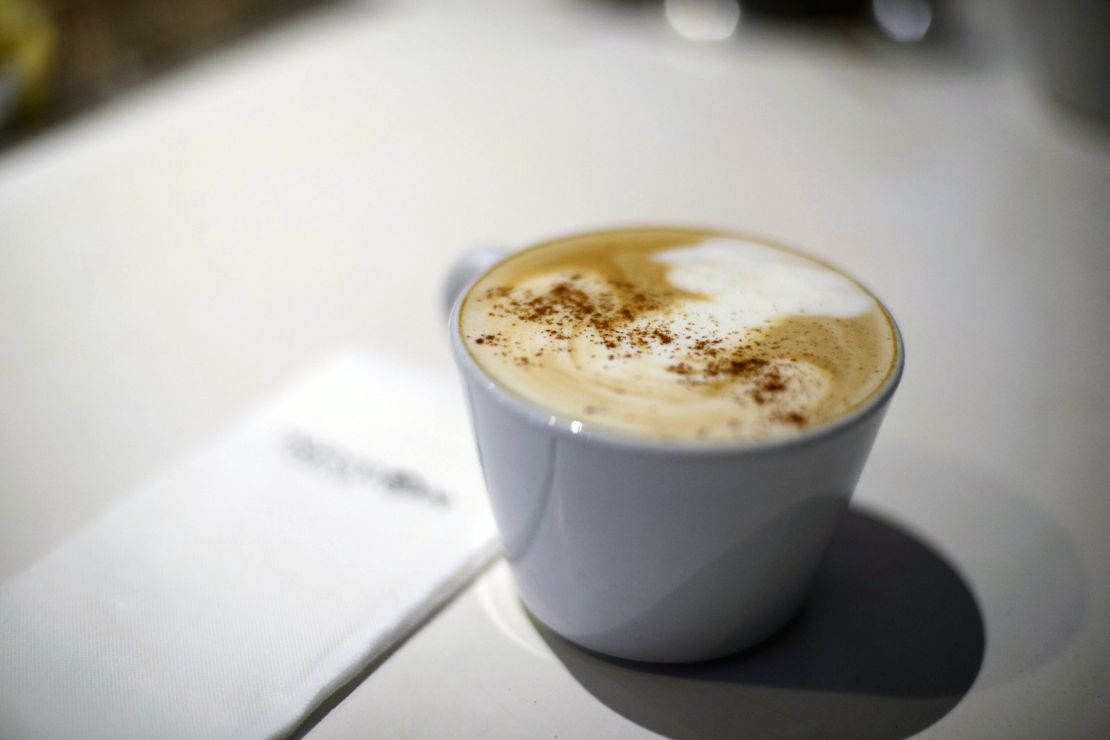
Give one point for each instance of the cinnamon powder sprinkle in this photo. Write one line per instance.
(615, 313)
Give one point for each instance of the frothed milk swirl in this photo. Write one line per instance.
(674, 334)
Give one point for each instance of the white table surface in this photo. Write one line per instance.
(171, 258)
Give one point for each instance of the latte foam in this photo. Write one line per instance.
(679, 335)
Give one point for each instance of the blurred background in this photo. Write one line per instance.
(200, 199)
(61, 57)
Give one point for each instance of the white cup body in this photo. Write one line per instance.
(658, 551)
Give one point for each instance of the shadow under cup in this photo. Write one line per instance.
(661, 551)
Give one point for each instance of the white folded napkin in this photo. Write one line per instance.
(231, 596)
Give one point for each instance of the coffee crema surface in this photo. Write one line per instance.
(677, 334)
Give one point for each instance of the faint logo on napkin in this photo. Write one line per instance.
(345, 466)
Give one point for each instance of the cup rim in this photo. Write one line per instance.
(583, 431)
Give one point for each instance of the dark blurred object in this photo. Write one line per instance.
(58, 57)
(902, 21)
(828, 9)
(1069, 41)
(28, 50)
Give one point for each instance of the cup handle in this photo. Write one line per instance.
(466, 269)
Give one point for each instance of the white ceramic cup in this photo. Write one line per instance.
(650, 550)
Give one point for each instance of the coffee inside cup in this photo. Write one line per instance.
(679, 334)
